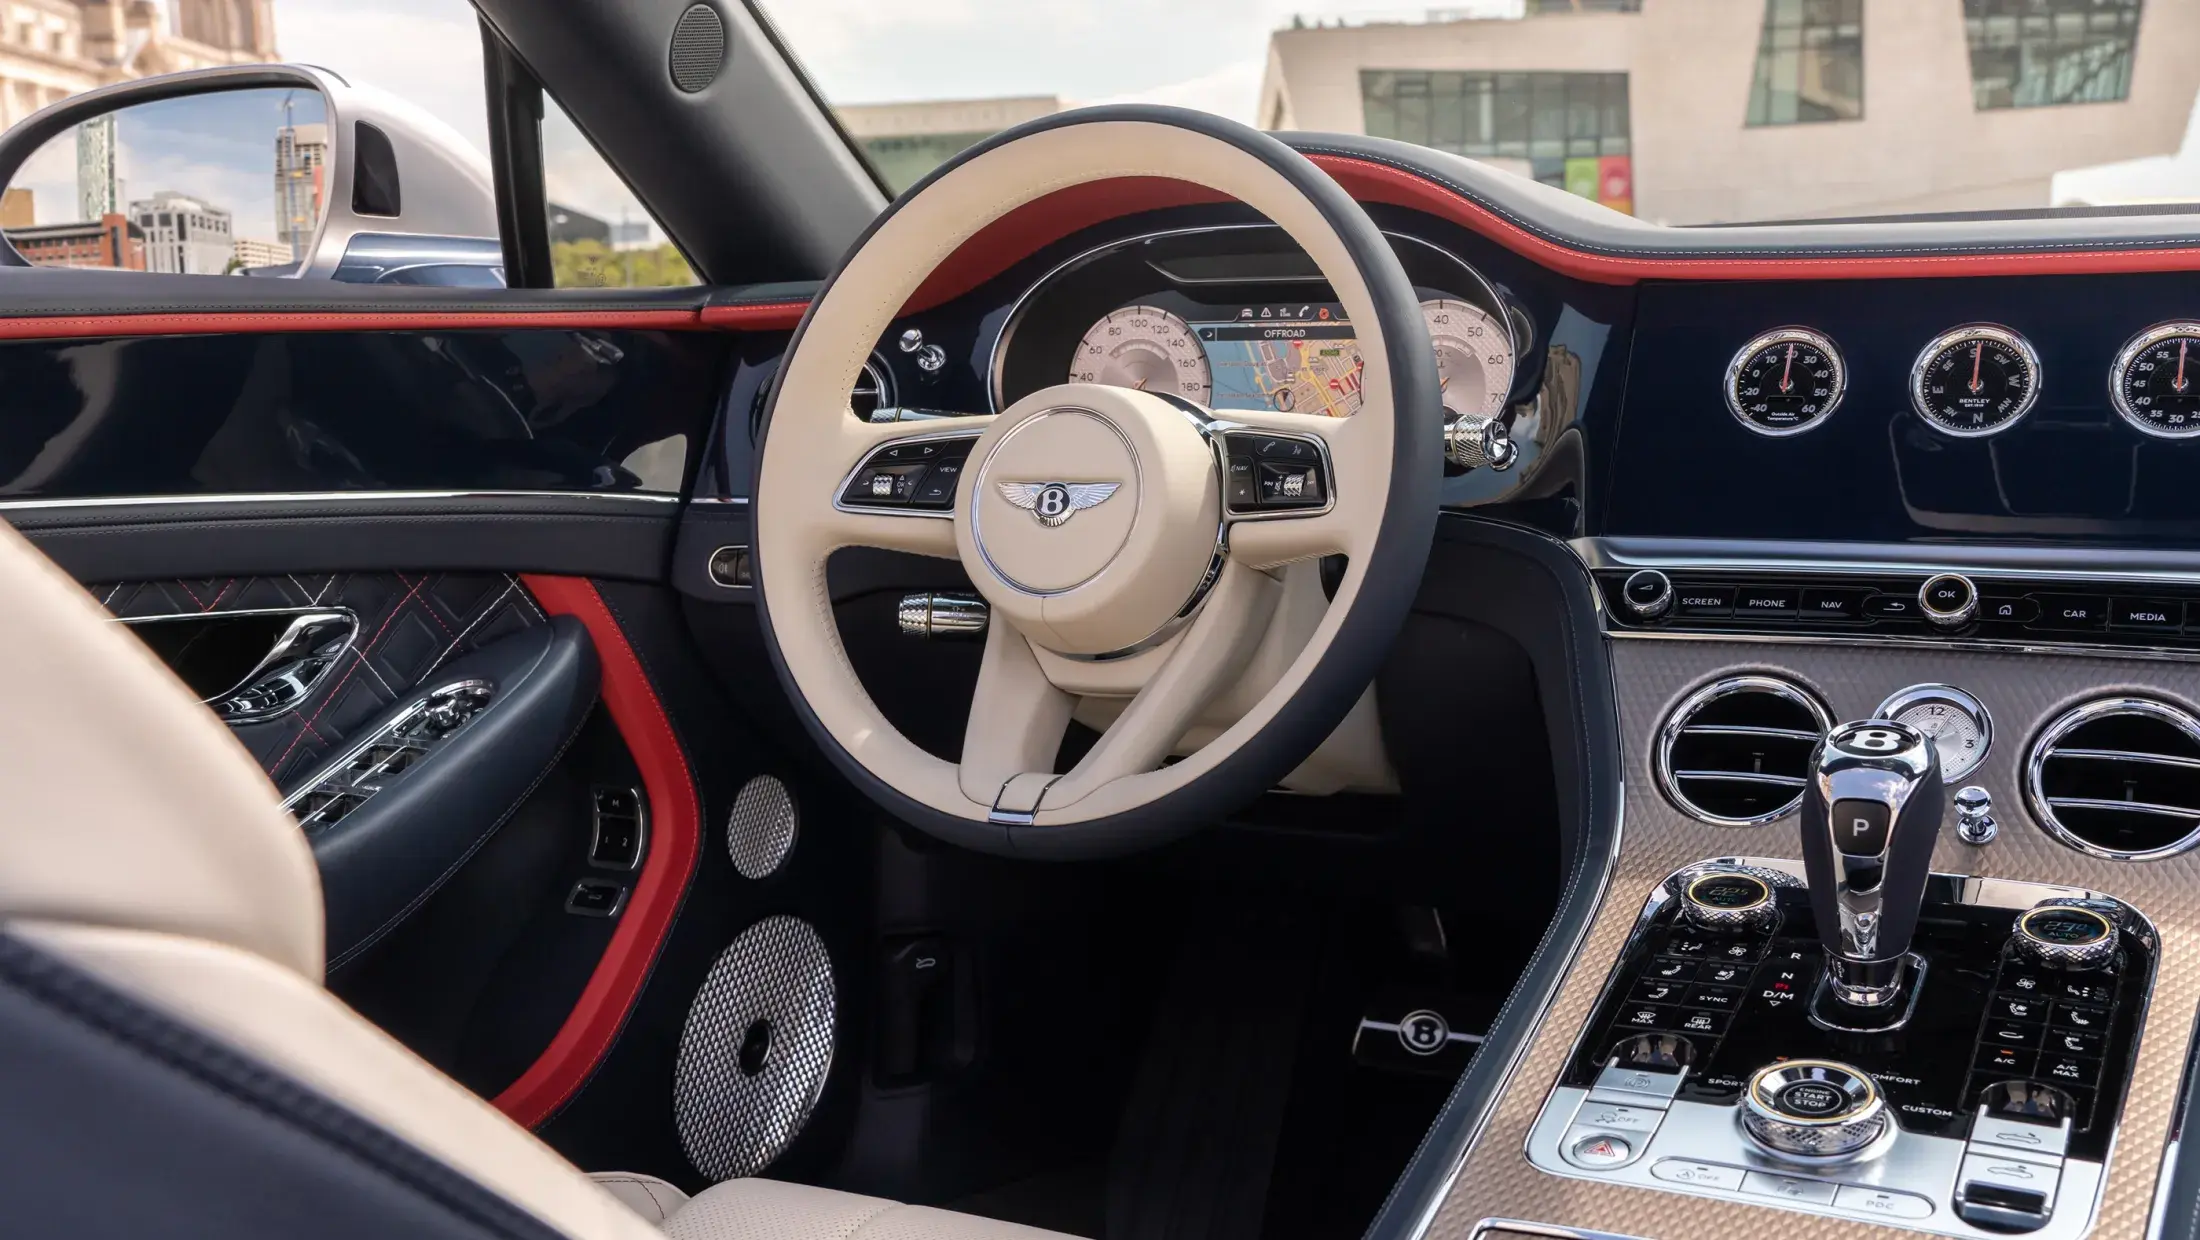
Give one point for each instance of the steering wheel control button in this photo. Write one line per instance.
(1949, 601)
(1274, 473)
(1813, 1109)
(917, 474)
(1599, 1151)
(1698, 1174)
(2063, 936)
(1881, 1202)
(1729, 902)
(1788, 1188)
(1648, 594)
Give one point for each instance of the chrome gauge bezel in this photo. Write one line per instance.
(1786, 335)
(1964, 335)
(1919, 695)
(2120, 369)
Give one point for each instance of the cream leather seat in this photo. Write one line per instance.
(170, 1063)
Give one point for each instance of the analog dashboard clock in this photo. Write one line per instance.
(1785, 381)
(2155, 383)
(1955, 721)
(1975, 381)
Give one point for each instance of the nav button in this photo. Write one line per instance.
(1833, 604)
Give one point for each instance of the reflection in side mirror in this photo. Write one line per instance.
(205, 184)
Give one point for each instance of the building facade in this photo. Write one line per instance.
(51, 49)
(253, 252)
(109, 241)
(1695, 111)
(906, 140)
(301, 173)
(183, 234)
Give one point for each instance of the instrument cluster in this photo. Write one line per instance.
(1969, 382)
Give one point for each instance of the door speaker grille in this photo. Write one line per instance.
(1737, 752)
(756, 1049)
(761, 831)
(2118, 778)
(698, 48)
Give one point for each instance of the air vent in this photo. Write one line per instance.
(2119, 778)
(872, 392)
(1737, 752)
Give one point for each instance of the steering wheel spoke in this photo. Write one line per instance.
(1299, 486)
(1017, 718)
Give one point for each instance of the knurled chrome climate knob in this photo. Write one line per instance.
(1949, 601)
(1476, 440)
(1814, 1111)
(2066, 936)
(1729, 902)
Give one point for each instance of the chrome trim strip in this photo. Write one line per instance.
(1833, 559)
(2043, 748)
(1894, 641)
(2126, 755)
(1743, 729)
(1786, 335)
(327, 497)
(1746, 777)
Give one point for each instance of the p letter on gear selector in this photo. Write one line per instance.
(1859, 1037)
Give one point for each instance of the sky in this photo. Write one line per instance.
(1204, 54)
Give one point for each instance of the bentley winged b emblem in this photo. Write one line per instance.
(1055, 502)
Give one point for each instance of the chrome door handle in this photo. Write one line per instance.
(285, 676)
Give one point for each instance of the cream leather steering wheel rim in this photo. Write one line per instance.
(1158, 565)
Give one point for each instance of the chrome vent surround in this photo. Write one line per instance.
(2118, 778)
(873, 390)
(1736, 753)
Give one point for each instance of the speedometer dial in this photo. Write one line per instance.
(1975, 381)
(2155, 383)
(1145, 348)
(1474, 356)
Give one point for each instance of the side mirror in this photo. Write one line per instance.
(265, 170)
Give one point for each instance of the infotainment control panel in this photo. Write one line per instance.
(1941, 605)
(1984, 1102)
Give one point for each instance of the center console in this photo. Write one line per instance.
(1856, 1036)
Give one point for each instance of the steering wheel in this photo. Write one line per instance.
(1103, 526)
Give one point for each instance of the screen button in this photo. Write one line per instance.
(1704, 600)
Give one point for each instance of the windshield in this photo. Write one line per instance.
(1675, 111)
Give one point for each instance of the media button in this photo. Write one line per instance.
(2149, 614)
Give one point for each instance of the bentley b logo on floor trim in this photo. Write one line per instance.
(1055, 502)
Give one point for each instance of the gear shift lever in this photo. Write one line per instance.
(1870, 815)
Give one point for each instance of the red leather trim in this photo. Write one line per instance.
(54, 327)
(675, 831)
(763, 316)
(1046, 219)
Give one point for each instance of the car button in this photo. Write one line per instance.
(2149, 614)
(1704, 600)
(2072, 611)
(1765, 601)
(1881, 1203)
(1832, 604)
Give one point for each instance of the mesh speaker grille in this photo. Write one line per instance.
(698, 48)
(761, 831)
(737, 1108)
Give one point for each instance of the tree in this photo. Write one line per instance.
(589, 263)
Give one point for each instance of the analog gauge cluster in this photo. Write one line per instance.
(1969, 382)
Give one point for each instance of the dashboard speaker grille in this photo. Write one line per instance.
(698, 48)
(756, 1049)
(1737, 751)
(2119, 778)
(761, 831)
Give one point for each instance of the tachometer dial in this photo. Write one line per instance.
(1956, 723)
(1474, 356)
(2155, 383)
(1975, 381)
(1146, 348)
(1785, 382)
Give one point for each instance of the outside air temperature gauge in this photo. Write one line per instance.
(1957, 724)
(2155, 383)
(1785, 381)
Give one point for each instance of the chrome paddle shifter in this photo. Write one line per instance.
(1870, 815)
